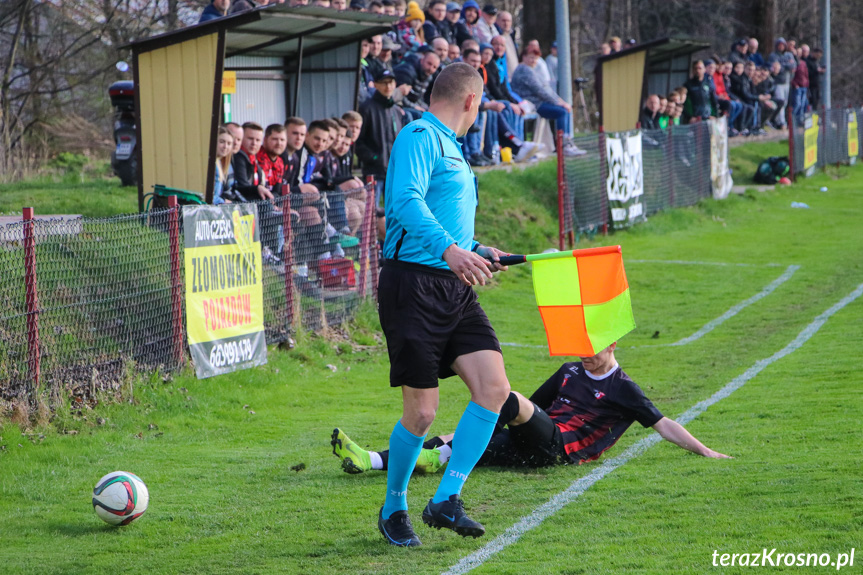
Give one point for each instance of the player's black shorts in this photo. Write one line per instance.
(537, 443)
(429, 318)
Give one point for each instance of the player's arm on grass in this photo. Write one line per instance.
(672, 431)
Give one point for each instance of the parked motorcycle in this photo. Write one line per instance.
(124, 160)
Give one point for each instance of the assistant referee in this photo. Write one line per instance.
(434, 325)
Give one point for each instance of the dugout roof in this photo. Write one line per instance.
(624, 79)
(300, 54)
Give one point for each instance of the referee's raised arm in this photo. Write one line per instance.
(434, 325)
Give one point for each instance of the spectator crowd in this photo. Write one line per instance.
(312, 167)
(752, 90)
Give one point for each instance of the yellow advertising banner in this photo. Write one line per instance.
(224, 294)
(229, 83)
(810, 141)
(853, 135)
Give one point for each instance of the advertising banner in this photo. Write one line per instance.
(810, 143)
(224, 295)
(625, 183)
(853, 136)
(720, 175)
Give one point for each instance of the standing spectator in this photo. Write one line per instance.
(738, 52)
(215, 9)
(485, 29)
(409, 30)
(800, 87)
(604, 49)
(548, 104)
(417, 76)
(382, 120)
(815, 71)
(726, 104)
(366, 75)
(436, 25)
(470, 18)
(504, 22)
(243, 6)
(460, 29)
(614, 45)
(650, 113)
(701, 103)
(551, 64)
(754, 56)
(782, 79)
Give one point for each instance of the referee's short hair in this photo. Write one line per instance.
(455, 82)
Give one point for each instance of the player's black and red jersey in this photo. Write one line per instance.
(592, 412)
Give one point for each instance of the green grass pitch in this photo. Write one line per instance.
(224, 499)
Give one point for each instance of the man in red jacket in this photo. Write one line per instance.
(800, 88)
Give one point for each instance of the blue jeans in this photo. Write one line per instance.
(734, 109)
(472, 142)
(515, 121)
(558, 114)
(801, 103)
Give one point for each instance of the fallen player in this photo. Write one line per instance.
(574, 417)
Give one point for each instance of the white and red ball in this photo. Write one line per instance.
(120, 497)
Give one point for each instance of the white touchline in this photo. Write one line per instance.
(687, 263)
(579, 486)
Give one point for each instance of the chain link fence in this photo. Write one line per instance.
(83, 301)
(825, 137)
(676, 172)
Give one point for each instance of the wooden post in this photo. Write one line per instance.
(31, 297)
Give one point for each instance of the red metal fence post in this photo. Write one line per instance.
(31, 297)
(176, 281)
(669, 161)
(373, 236)
(558, 142)
(364, 243)
(288, 260)
(789, 118)
(603, 176)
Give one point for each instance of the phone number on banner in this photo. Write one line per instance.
(231, 352)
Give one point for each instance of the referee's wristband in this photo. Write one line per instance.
(476, 247)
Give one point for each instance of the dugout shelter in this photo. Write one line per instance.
(624, 79)
(274, 61)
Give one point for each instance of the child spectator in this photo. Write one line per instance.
(409, 30)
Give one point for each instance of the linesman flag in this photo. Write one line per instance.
(583, 298)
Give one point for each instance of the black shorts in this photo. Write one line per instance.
(429, 318)
(537, 443)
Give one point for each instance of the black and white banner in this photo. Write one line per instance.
(625, 183)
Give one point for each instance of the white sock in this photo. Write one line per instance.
(445, 453)
(377, 462)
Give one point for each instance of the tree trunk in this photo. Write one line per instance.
(539, 20)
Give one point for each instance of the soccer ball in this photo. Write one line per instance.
(120, 497)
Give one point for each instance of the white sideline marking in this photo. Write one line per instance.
(713, 324)
(579, 486)
(688, 263)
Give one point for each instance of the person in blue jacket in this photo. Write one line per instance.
(434, 325)
(215, 9)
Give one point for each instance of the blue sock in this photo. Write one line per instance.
(404, 450)
(469, 442)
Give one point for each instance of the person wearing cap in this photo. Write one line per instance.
(409, 30)
(782, 90)
(739, 52)
(382, 121)
(383, 59)
(614, 45)
(485, 29)
(460, 29)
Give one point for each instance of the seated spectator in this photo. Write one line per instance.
(415, 77)
(470, 19)
(541, 68)
(492, 128)
(753, 55)
(726, 104)
(355, 123)
(321, 3)
(436, 24)
(764, 86)
(650, 113)
(701, 103)
(741, 87)
(305, 198)
(269, 157)
(484, 29)
(342, 4)
(382, 120)
(454, 53)
(390, 8)
(662, 119)
(365, 80)
(353, 188)
(224, 171)
(505, 25)
(548, 104)
(215, 9)
(604, 49)
(460, 30)
(383, 60)
(441, 48)
(409, 30)
(499, 87)
(375, 7)
(738, 52)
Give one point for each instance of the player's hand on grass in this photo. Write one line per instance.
(469, 267)
(494, 255)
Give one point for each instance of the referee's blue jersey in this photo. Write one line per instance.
(430, 195)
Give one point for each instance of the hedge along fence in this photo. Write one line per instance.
(824, 137)
(84, 300)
